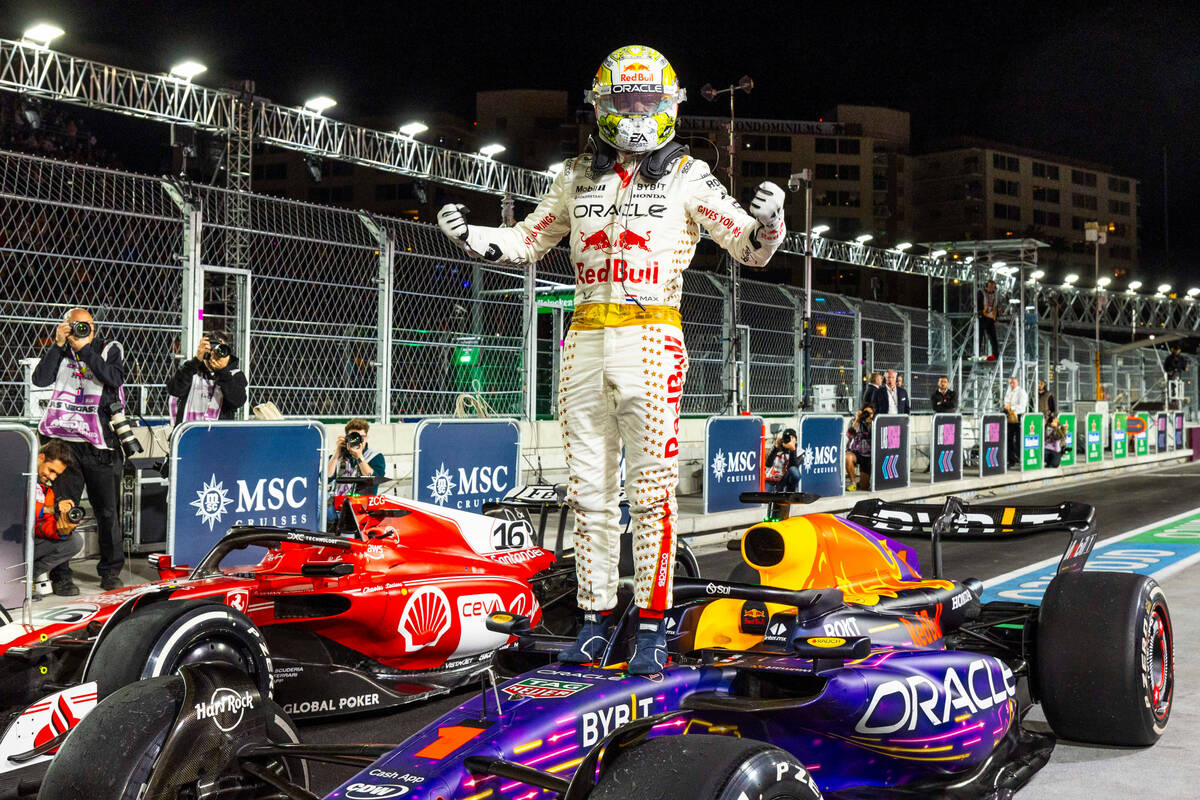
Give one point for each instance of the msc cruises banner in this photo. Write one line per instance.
(465, 463)
(242, 473)
(732, 452)
(821, 444)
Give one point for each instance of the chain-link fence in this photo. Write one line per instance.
(341, 313)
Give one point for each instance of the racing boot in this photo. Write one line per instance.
(650, 653)
(592, 639)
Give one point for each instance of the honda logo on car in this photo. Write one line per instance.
(371, 791)
(901, 704)
(225, 708)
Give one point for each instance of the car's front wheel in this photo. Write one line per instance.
(113, 753)
(1106, 658)
(702, 767)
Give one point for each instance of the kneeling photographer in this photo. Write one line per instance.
(86, 377)
(353, 458)
(55, 541)
(209, 386)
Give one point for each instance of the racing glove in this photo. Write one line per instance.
(452, 220)
(767, 208)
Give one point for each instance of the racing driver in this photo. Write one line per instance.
(633, 209)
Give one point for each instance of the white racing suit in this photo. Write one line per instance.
(624, 361)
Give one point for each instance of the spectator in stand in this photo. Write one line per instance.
(1016, 403)
(1047, 405)
(989, 312)
(1175, 364)
(783, 463)
(874, 381)
(858, 449)
(944, 399)
(1056, 440)
(891, 398)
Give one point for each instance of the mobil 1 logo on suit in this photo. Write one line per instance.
(463, 464)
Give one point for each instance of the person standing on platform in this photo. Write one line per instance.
(1016, 403)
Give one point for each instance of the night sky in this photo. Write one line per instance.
(1110, 83)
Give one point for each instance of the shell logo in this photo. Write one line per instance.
(426, 618)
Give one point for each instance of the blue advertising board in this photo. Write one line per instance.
(465, 463)
(18, 483)
(821, 444)
(242, 473)
(945, 454)
(732, 452)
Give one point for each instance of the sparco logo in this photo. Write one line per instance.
(370, 791)
(225, 708)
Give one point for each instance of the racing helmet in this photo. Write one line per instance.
(636, 96)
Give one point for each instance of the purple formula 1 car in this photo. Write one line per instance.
(843, 673)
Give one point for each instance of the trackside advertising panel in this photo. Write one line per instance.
(18, 486)
(1067, 421)
(1119, 441)
(242, 473)
(945, 454)
(1162, 437)
(1032, 440)
(1095, 438)
(822, 444)
(1178, 417)
(993, 460)
(465, 463)
(889, 452)
(732, 456)
(1142, 440)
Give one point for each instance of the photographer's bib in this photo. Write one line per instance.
(204, 400)
(349, 469)
(73, 412)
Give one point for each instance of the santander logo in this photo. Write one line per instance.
(426, 618)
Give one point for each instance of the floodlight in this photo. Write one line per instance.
(320, 104)
(186, 70)
(42, 34)
(1037, 274)
(998, 265)
(1164, 288)
(413, 128)
(819, 229)
(555, 168)
(1135, 285)
(489, 150)
(937, 254)
(903, 246)
(863, 238)
(1192, 292)
(1071, 278)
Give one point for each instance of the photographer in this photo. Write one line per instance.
(209, 386)
(351, 457)
(86, 379)
(783, 463)
(55, 541)
(858, 449)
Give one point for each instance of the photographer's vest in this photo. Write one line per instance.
(73, 412)
(204, 399)
(347, 468)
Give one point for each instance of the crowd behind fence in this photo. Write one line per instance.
(351, 314)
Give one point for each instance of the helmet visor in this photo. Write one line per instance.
(626, 99)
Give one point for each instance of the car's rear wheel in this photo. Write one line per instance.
(1106, 658)
(113, 752)
(701, 767)
(159, 639)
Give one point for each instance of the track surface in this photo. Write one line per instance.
(1122, 504)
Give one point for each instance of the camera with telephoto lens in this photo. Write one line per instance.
(75, 514)
(81, 329)
(218, 349)
(353, 439)
(122, 429)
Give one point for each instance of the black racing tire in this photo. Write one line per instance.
(159, 639)
(702, 767)
(744, 573)
(111, 753)
(1106, 658)
(686, 564)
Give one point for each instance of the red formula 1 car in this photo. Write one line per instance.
(387, 609)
